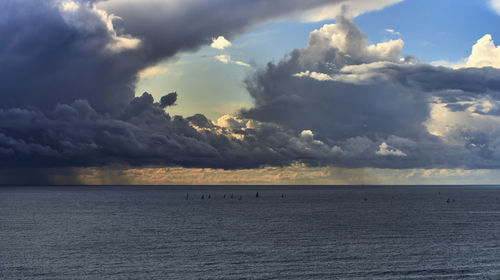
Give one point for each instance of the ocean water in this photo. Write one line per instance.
(310, 233)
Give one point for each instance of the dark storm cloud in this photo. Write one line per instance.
(67, 86)
(170, 26)
(429, 78)
(67, 93)
(68, 74)
(168, 100)
(75, 135)
(55, 52)
(47, 59)
(372, 106)
(336, 109)
(458, 88)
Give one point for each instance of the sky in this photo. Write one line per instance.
(249, 92)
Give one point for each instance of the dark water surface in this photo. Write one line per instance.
(311, 233)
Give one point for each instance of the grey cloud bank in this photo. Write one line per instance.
(360, 98)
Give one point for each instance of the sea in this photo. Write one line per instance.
(249, 232)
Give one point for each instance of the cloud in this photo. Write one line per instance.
(349, 8)
(339, 101)
(385, 150)
(168, 27)
(69, 6)
(67, 50)
(335, 110)
(392, 31)
(226, 59)
(94, 50)
(378, 109)
(241, 63)
(75, 135)
(68, 76)
(151, 72)
(484, 53)
(449, 64)
(495, 5)
(220, 43)
(168, 100)
(344, 44)
(313, 75)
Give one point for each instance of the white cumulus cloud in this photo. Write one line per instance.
(220, 43)
(69, 6)
(386, 150)
(485, 53)
(77, 14)
(314, 75)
